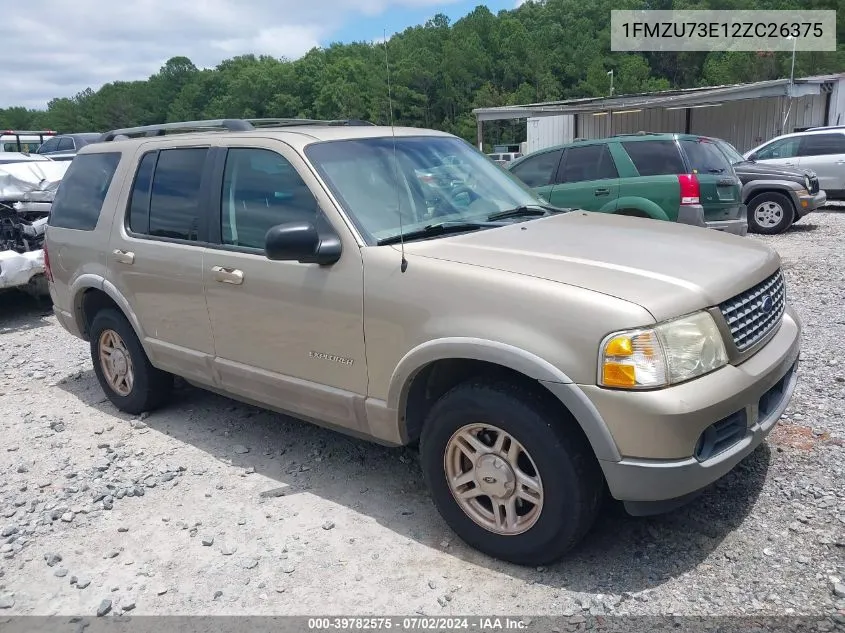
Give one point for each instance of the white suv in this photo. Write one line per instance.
(820, 150)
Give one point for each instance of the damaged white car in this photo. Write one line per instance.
(27, 190)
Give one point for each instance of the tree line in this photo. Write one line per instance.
(541, 51)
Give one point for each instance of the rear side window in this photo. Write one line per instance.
(822, 144)
(165, 198)
(705, 158)
(65, 144)
(538, 171)
(139, 202)
(655, 158)
(592, 162)
(79, 200)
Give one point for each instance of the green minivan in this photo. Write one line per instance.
(674, 177)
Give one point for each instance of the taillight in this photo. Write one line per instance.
(47, 270)
(690, 191)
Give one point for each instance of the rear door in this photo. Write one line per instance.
(587, 179)
(538, 171)
(156, 258)
(720, 189)
(825, 155)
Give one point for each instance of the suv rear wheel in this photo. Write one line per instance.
(507, 474)
(770, 213)
(129, 380)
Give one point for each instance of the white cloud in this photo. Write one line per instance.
(57, 48)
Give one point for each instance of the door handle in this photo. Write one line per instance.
(228, 275)
(602, 192)
(124, 257)
(840, 162)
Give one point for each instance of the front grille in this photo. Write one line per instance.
(752, 314)
(814, 184)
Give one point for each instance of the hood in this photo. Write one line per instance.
(667, 268)
(760, 171)
(32, 180)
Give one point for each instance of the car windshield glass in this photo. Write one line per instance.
(705, 158)
(731, 152)
(413, 182)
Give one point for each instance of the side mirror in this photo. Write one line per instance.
(752, 157)
(301, 242)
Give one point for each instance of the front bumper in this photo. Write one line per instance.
(18, 270)
(694, 214)
(810, 202)
(658, 433)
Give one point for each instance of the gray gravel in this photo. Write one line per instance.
(86, 486)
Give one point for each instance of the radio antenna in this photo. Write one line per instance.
(404, 265)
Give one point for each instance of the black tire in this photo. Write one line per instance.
(780, 208)
(573, 485)
(151, 387)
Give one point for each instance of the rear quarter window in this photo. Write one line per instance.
(655, 158)
(83, 189)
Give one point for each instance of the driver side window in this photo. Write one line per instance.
(538, 171)
(260, 190)
(784, 148)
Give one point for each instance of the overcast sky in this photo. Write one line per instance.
(56, 48)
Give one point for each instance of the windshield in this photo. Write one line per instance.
(433, 179)
(731, 152)
(705, 158)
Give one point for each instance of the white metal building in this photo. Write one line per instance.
(744, 114)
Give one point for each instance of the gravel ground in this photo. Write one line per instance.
(212, 507)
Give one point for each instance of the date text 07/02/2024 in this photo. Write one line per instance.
(421, 623)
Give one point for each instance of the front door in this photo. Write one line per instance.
(286, 334)
(587, 179)
(538, 171)
(783, 151)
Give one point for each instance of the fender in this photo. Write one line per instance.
(786, 187)
(651, 209)
(91, 281)
(515, 358)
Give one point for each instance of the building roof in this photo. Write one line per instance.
(684, 98)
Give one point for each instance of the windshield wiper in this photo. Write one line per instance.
(534, 210)
(441, 228)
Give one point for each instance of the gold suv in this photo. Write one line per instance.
(397, 285)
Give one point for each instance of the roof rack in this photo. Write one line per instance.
(209, 125)
(825, 127)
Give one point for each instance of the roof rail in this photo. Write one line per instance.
(208, 125)
(825, 127)
(640, 133)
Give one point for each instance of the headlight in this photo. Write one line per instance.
(807, 182)
(666, 354)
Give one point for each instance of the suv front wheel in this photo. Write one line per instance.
(770, 213)
(508, 474)
(129, 380)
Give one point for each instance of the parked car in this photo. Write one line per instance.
(503, 158)
(821, 150)
(671, 177)
(65, 146)
(24, 141)
(776, 196)
(538, 356)
(27, 188)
